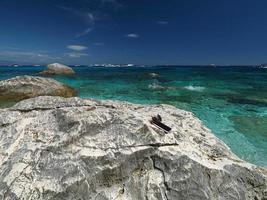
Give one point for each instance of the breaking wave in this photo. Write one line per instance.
(195, 88)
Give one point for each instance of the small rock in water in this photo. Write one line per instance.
(58, 69)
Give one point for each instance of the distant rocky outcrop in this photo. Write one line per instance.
(58, 148)
(58, 69)
(23, 87)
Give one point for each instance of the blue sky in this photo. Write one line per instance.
(133, 31)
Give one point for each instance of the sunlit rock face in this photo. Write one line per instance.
(23, 87)
(58, 69)
(58, 148)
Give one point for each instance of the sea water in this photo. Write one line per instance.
(231, 101)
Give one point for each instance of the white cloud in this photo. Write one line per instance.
(132, 35)
(77, 47)
(83, 33)
(76, 55)
(162, 22)
(90, 17)
(22, 53)
(87, 17)
(27, 56)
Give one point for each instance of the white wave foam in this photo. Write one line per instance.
(155, 86)
(153, 75)
(195, 88)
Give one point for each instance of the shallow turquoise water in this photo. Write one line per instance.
(231, 101)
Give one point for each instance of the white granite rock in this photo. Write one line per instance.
(23, 87)
(57, 69)
(58, 148)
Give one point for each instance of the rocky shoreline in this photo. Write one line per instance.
(72, 148)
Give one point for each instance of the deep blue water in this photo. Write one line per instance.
(231, 101)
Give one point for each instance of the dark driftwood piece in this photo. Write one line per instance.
(157, 120)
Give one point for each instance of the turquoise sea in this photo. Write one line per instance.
(231, 101)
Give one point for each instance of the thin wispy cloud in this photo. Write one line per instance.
(90, 12)
(83, 33)
(22, 53)
(31, 56)
(132, 35)
(162, 22)
(77, 47)
(75, 54)
(86, 16)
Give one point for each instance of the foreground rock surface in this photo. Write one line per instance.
(57, 148)
(57, 69)
(23, 87)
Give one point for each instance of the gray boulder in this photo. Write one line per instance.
(57, 148)
(23, 87)
(57, 69)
